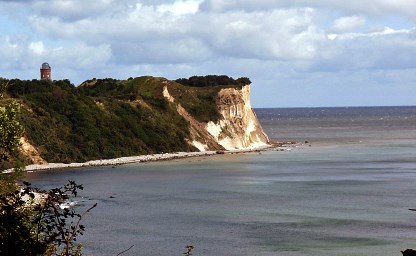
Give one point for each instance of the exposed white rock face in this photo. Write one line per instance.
(167, 95)
(201, 139)
(200, 146)
(239, 127)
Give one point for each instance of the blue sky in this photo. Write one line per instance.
(298, 53)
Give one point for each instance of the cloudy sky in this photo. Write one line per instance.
(297, 53)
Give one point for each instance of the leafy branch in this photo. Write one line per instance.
(34, 222)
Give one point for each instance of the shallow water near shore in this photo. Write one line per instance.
(345, 192)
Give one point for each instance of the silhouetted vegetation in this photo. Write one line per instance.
(40, 226)
(189, 250)
(213, 80)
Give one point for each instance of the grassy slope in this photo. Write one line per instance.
(101, 119)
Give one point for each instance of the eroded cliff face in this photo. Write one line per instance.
(238, 127)
(30, 151)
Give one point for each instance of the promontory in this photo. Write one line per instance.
(109, 118)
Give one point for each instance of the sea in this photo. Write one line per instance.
(344, 189)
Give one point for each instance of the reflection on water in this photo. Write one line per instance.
(344, 198)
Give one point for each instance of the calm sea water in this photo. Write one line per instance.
(345, 192)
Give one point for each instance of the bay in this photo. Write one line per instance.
(345, 190)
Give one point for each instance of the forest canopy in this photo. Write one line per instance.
(213, 80)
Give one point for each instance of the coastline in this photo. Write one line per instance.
(147, 158)
(119, 161)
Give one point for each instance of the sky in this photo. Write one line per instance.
(297, 53)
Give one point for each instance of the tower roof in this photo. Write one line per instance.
(45, 65)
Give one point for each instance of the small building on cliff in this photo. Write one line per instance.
(45, 72)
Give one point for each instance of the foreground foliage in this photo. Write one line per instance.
(10, 132)
(40, 226)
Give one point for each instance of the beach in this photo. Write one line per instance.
(147, 158)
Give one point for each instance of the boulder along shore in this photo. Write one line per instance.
(147, 158)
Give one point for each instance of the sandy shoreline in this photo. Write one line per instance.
(144, 158)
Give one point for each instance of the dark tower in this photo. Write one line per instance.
(45, 72)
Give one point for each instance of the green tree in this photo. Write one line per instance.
(10, 130)
(10, 133)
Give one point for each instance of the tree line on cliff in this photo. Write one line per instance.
(213, 80)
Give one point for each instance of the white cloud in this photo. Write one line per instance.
(278, 34)
(176, 32)
(146, 30)
(367, 7)
(81, 56)
(385, 50)
(9, 51)
(19, 52)
(72, 10)
(347, 24)
(180, 7)
(403, 7)
(37, 48)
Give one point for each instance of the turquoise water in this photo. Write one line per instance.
(345, 192)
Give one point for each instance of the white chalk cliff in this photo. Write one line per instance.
(238, 127)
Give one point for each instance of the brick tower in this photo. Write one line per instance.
(45, 72)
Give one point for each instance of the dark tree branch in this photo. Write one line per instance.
(125, 250)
